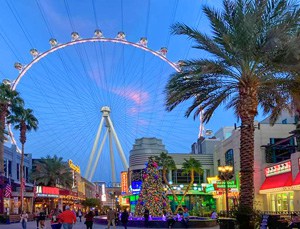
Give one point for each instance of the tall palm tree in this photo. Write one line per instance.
(190, 167)
(237, 71)
(52, 171)
(23, 120)
(167, 163)
(8, 99)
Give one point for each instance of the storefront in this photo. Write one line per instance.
(278, 190)
(217, 188)
(47, 198)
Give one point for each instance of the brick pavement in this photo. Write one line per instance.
(78, 225)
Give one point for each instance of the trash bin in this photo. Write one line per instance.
(227, 223)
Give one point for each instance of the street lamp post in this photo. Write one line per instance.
(226, 175)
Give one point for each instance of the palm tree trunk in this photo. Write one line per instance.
(2, 137)
(169, 186)
(185, 192)
(247, 112)
(21, 178)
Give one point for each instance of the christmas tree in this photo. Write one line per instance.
(152, 195)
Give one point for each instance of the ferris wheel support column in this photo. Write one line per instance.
(98, 156)
(94, 148)
(112, 157)
(119, 147)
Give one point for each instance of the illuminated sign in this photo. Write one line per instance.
(230, 184)
(74, 167)
(43, 191)
(136, 187)
(103, 196)
(212, 180)
(209, 188)
(124, 182)
(278, 169)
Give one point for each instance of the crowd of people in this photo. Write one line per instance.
(65, 219)
(59, 219)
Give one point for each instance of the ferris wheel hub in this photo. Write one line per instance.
(105, 110)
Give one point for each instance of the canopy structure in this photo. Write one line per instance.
(279, 182)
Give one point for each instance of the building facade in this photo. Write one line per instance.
(12, 161)
(146, 147)
(265, 155)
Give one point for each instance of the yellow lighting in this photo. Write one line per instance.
(225, 169)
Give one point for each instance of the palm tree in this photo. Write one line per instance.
(25, 121)
(8, 99)
(191, 167)
(52, 171)
(166, 162)
(237, 71)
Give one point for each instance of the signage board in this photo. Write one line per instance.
(209, 188)
(136, 187)
(278, 169)
(124, 182)
(47, 190)
(230, 184)
(74, 167)
(103, 193)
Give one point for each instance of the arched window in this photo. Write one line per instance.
(229, 160)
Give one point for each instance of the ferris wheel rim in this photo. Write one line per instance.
(86, 40)
(42, 55)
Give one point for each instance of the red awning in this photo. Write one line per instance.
(297, 180)
(277, 181)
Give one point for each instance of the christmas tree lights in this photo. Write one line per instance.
(152, 195)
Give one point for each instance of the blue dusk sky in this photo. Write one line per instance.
(67, 88)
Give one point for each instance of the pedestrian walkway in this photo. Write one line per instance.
(78, 225)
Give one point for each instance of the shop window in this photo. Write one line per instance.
(280, 149)
(9, 168)
(291, 207)
(284, 201)
(229, 158)
(26, 174)
(279, 202)
(182, 178)
(18, 171)
(207, 173)
(5, 168)
(273, 204)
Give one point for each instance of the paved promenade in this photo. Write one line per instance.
(32, 225)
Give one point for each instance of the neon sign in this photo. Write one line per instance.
(74, 167)
(278, 169)
(230, 184)
(124, 182)
(209, 188)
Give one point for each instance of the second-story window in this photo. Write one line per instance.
(229, 160)
(18, 171)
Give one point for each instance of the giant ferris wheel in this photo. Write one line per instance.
(132, 93)
(97, 86)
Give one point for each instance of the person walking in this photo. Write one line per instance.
(185, 218)
(124, 218)
(170, 219)
(37, 217)
(111, 217)
(89, 220)
(42, 218)
(79, 214)
(295, 223)
(146, 217)
(55, 223)
(67, 218)
(23, 220)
